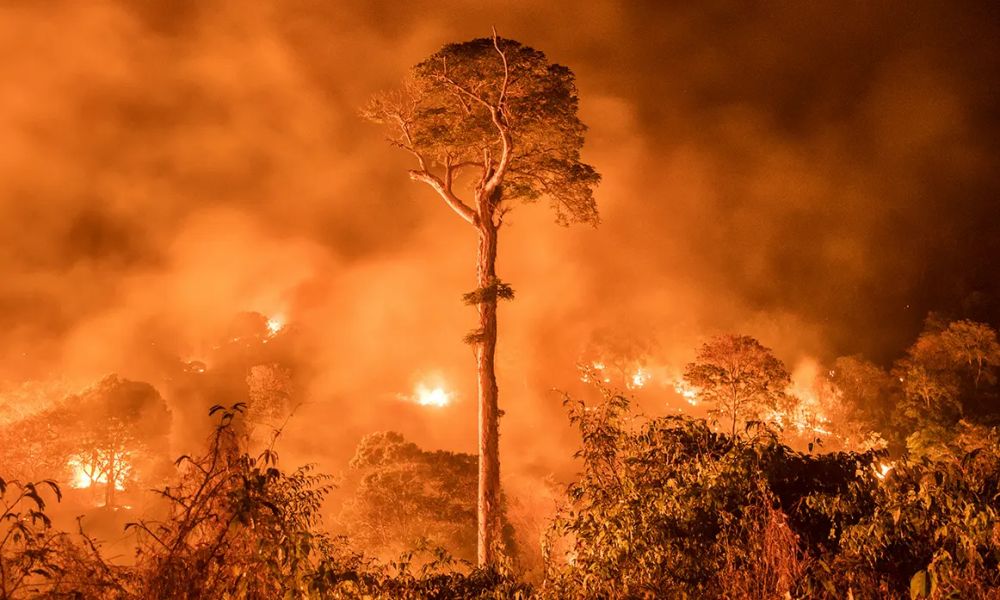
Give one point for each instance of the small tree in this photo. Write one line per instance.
(237, 526)
(27, 541)
(270, 392)
(942, 371)
(739, 376)
(865, 391)
(975, 346)
(114, 426)
(500, 116)
(108, 434)
(37, 446)
(407, 496)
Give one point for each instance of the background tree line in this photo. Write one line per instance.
(663, 506)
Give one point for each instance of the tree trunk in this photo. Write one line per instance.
(109, 489)
(489, 450)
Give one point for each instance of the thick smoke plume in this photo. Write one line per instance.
(167, 166)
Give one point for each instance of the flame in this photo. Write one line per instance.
(807, 415)
(86, 474)
(600, 366)
(82, 476)
(687, 392)
(882, 470)
(639, 379)
(274, 325)
(813, 396)
(596, 369)
(432, 396)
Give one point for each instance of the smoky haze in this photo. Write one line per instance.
(818, 176)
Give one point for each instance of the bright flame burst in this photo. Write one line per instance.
(812, 396)
(85, 475)
(687, 392)
(274, 325)
(882, 470)
(432, 396)
(599, 366)
(639, 379)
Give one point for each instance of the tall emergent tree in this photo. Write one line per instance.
(497, 116)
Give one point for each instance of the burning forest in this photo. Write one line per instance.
(441, 300)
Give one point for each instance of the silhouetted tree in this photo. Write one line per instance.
(500, 116)
(739, 376)
(407, 496)
(115, 426)
(949, 373)
(866, 398)
(975, 346)
(104, 433)
(270, 391)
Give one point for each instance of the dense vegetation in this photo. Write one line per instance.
(666, 506)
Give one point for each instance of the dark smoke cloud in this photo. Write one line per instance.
(819, 175)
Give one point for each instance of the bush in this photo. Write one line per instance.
(667, 507)
(663, 507)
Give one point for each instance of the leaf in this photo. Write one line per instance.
(920, 585)
(55, 489)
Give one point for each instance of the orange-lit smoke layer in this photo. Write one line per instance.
(164, 169)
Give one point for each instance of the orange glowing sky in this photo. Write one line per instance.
(816, 177)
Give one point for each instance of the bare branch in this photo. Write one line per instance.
(456, 167)
(498, 114)
(461, 208)
(506, 71)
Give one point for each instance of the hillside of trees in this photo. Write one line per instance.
(899, 498)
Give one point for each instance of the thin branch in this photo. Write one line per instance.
(409, 146)
(459, 87)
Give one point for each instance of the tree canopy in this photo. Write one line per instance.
(406, 496)
(739, 376)
(498, 108)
